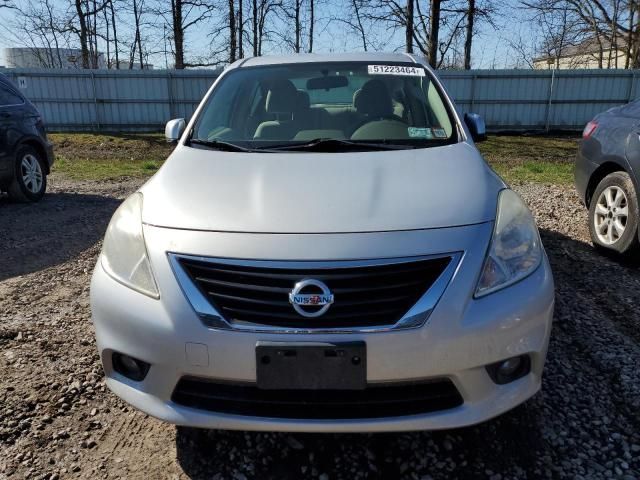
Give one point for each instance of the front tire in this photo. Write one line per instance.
(614, 214)
(29, 180)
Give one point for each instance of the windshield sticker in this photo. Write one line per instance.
(439, 133)
(402, 70)
(416, 132)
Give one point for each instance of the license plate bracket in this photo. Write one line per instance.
(311, 365)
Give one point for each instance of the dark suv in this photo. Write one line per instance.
(25, 153)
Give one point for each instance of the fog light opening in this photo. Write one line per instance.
(130, 367)
(510, 369)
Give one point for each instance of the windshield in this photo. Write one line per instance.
(346, 103)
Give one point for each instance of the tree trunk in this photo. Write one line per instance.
(54, 34)
(94, 33)
(296, 15)
(434, 30)
(312, 15)
(633, 42)
(261, 27)
(138, 40)
(84, 47)
(360, 27)
(115, 34)
(409, 27)
(255, 28)
(471, 14)
(627, 50)
(240, 29)
(107, 39)
(232, 31)
(178, 34)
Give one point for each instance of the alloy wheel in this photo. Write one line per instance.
(611, 215)
(31, 173)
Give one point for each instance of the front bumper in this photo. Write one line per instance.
(460, 338)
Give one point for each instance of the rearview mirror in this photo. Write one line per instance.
(476, 126)
(327, 83)
(174, 129)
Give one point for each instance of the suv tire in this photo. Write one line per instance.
(29, 179)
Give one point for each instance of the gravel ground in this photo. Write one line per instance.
(57, 420)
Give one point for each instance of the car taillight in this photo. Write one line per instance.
(589, 129)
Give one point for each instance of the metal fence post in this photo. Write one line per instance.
(548, 113)
(170, 92)
(473, 93)
(95, 101)
(632, 87)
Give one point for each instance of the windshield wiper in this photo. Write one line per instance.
(220, 145)
(334, 144)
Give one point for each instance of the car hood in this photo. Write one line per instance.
(295, 192)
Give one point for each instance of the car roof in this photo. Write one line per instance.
(328, 57)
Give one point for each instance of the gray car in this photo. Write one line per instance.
(606, 178)
(325, 250)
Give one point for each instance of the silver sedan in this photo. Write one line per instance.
(325, 250)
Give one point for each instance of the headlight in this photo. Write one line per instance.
(515, 250)
(124, 255)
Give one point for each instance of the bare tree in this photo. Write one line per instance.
(434, 32)
(408, 34)
(86, 12)
(312, 22)
(240, 28)
(355, 21)
(471, 16)
(232, 31)
(300, 15)
(40, 27)
(522, 51)
(611, 26)
(261, 10)
(136, 46)
(114, 27)
(183, 16)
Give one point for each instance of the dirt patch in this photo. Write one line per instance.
(57, 420)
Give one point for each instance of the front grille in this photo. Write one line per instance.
(365, 296)
(376, 401)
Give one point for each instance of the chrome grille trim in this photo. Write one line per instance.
(414, 318)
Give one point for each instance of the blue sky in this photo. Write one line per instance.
(491, 46)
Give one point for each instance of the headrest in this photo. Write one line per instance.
(282, 97)
(303, 100)
(373, 99)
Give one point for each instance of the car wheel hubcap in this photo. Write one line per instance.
(31, 173)
(611, 215)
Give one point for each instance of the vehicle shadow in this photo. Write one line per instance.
(59, 227)
(283, 456)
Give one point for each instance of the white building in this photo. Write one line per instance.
(46, 58)
(587, 54)
(124, 65)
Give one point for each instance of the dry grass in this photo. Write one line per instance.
(96, 156)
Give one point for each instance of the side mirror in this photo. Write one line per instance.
(476, 126)
(174, 129)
